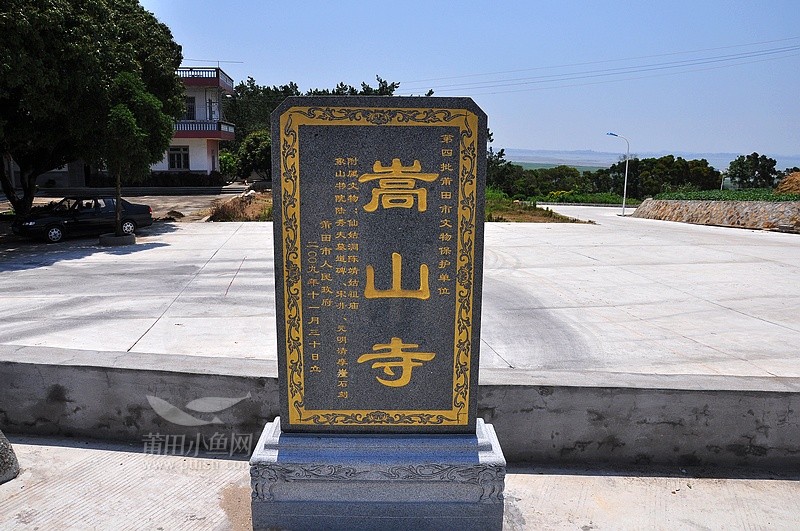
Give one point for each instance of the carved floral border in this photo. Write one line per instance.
(290, 121)
(489, 478)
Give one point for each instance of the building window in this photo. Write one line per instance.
(179, 158)
(191, 114)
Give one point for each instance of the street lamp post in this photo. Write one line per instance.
(627, 157)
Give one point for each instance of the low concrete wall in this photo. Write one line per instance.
(644, 426)
(744, 214)
(626, 422)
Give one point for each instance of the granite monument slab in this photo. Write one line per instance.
(378, 210)
(379, 241)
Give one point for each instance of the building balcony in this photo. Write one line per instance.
(204, 129)
(205, 77)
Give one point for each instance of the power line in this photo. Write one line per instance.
(587, 63)
(731, 60)
(530, 89)
(213, 61)
(587, 74)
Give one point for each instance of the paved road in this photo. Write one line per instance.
(620, 296)
(646, 296)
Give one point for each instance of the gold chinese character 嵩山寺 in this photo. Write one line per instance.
(395, 357)
(396, 291)
(396, 186)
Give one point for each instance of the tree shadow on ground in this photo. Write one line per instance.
(18, 254)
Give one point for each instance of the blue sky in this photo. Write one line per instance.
(694, 76)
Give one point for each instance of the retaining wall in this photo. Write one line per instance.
(616, 419)
(744, 214)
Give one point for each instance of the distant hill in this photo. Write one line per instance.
(604, 159)
(537, 165)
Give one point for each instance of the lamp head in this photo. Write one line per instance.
(612, 134)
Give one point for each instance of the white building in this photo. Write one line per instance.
(195, 145)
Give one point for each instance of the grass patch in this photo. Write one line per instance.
(499, 207)
(250, 207)
(752, 194)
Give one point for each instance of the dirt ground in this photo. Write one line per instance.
(790, 184)
(252, 206)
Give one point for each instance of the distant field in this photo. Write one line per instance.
(538, 165)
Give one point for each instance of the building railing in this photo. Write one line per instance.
(204, 125)
(206, 72)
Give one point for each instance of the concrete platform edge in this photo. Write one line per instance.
(553, 418)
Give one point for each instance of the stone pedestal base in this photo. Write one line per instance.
(310, 481)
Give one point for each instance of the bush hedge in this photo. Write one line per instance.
(751, 194)
(571, 196)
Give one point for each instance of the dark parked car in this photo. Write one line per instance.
(74, 216)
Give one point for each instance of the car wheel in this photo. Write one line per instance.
(54, 234)
(128, 227)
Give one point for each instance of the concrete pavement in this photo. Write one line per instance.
(75, 485)
(625, 296)
(621, 305)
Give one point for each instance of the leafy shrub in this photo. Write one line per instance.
(495, 194)
(750, 194)
(571, 196)
(227, 163)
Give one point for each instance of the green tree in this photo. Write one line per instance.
(502, 174)
(255, 155)
(251, 104)
(703, 175)
(58, 63)
(753, 171)
(136, 135)
(651, 176)
(561, 178)
(384, 88)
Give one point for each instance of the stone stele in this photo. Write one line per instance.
(378, 210)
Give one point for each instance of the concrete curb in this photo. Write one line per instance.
(112, 240)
